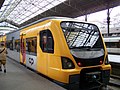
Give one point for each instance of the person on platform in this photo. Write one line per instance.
(3, 53)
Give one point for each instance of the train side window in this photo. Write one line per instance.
(112, 44)
(17, 45)
(31, 45)
(118, 44)
(11, 44)
(8, 44)
(46, 41)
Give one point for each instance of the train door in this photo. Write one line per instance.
(23, 49)
(44, 51)
(31, 52)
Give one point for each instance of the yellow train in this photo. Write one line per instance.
(64, 49)
(3, 39)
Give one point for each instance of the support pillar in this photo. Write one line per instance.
(108, 21)
(86, 18)
(108, 18)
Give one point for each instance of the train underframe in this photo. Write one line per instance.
(89, 78)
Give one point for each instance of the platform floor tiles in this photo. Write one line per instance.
(18, 77)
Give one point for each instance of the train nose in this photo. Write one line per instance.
(92, 76)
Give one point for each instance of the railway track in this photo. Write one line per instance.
(114, 84)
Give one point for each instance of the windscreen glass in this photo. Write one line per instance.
(85, 42)
(81, 34)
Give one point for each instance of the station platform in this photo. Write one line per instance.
(18, 77)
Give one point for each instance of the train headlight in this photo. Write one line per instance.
(67, 63)
(106, 60)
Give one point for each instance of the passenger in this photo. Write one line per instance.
(44, 43)
(3, 53)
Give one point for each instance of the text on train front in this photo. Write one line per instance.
(85, 43)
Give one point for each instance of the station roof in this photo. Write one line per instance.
(23, 12)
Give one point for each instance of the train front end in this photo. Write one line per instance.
(88, 55)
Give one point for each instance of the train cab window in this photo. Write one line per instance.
(31, 45)
(46, 41)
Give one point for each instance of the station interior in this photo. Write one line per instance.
(19, 14)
